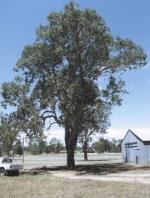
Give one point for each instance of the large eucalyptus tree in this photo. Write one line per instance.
(60, 73)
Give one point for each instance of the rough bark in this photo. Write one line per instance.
(85, 156)
(70, 158)
(85, 151)
(71, 142)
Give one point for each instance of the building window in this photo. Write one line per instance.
(130, 145)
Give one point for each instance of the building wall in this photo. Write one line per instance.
(134, 151)
(147, 147)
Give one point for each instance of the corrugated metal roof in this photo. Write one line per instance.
(143, 134)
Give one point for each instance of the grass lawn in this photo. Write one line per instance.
(47, 186)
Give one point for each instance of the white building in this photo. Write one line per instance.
(136, 147)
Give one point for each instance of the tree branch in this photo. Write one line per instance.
(52, 114)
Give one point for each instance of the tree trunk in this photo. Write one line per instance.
(85, 156)
(70, 158)
(85, 151)
(71, 142)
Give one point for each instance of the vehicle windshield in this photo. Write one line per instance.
(7, 160)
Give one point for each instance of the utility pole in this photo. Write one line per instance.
(23, 149)
(1, 148)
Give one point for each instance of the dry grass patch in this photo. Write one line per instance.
(47, 186)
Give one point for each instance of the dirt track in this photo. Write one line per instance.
(122, 177)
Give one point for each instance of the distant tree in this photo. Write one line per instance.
(119, 145)
(107, 145)
(79, 148)
(34, 149)
(98, 147)
(17, 147)
(98, 123)
(103, 145)
(85, 138)
(60, 73)
(116, 145)
(54, 141)
(37, 146)
(42, 146)
(55, 146)
(59, 148)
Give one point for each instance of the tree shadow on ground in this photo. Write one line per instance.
(96, 169)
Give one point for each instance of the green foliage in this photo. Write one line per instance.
(101, 146)
(34, 149)
(104, 145)
(17, 147)
(39, 147)
(8, 133)
(98, 123)
(55, 146)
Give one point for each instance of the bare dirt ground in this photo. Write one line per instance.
(117, 172)
(122, 177)
(99, 167)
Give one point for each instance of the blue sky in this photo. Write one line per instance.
(126, 18)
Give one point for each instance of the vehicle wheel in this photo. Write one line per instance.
(17, 173)
(2, 172)
(8, 173)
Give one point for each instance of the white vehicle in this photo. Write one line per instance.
(8, 167)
